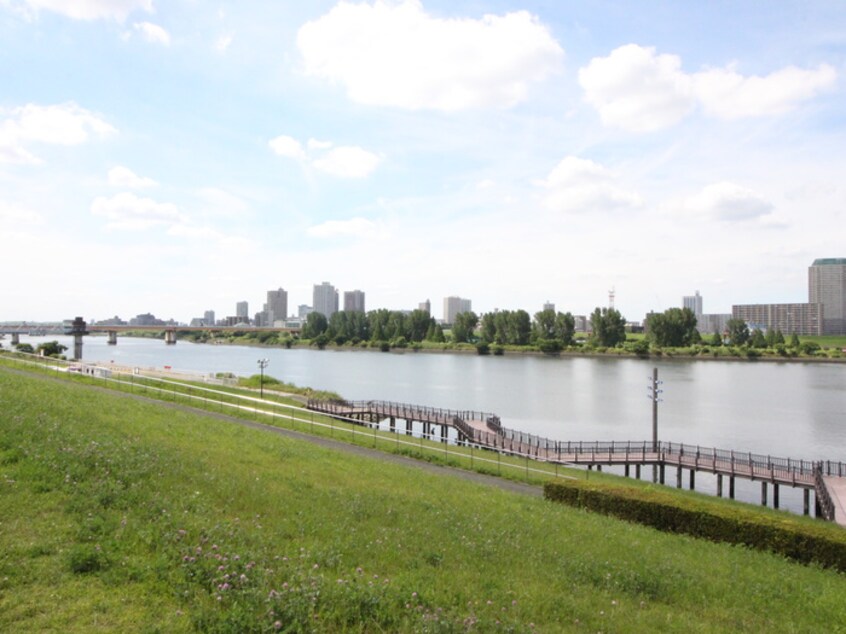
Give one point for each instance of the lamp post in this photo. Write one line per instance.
(654, 391)
(262, 363)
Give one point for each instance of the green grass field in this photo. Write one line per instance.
(125, 515)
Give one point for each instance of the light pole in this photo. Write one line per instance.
(654, 391)
(262, 363)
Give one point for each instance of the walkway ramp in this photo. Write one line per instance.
(837, 490)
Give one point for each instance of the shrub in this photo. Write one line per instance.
(663, 511)
(483, 348)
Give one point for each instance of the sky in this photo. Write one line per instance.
(177, 157)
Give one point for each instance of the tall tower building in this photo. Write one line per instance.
(208, 318)
(354, 301)
(453, 306)
(548, 305)
(426, 307)
(827, 286)
(277, 306)
(325, 299)
(694, 303)
(242, 309)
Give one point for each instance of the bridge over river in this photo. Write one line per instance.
(826, 478)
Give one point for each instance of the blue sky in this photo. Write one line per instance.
(177, 157)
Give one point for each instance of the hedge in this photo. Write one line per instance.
(789, 536)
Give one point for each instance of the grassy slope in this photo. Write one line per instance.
(116, 515)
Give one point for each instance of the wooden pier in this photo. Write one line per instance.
(826, 478)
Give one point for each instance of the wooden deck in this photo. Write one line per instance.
(826, 478)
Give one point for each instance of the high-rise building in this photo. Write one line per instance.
(549, 306)
(242, 309)
(303, 310)
(277, 306)
(208, 318)
(693, 302)
(827, 286)
(803, 319)
(354, 301)
(453, 306)
(426, 307)
(325, 299)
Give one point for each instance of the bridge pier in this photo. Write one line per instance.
(393, 424)
(692, 479)
(775, 495)
(719, 485)
(763, 494)
(599, 467)
(661, 474)
(444, 433)
(627, 469)
(679, 477)
(637, 471)
(113, 337)
(408, 425)
(731, 487)
(170, 337)
(806, 501)
(16, 338)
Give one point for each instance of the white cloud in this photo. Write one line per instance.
(355, 227)
(152, 33)
(124, 177)
(636, 89)
(63, 124)
(222, 43)
(347, 162)
(128, 211)
(728, 202)
(581, 185)
(287, 146)
(726, 94)
(314, 144)
(93, 9)
(395, 54)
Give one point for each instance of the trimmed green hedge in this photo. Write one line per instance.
(792, 537)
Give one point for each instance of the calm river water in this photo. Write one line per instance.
(789, 409)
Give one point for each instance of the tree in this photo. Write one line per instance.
(488, 328)
(464, 327)
(716, 339)
(51, 349)
(24, 347)
(674, 328)
(738, 332)
(565, 328)
(315, 325)
(609, 327)
(758, 340)
(544, 327)
(519, 327)
(794, 341)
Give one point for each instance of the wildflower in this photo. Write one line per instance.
(277, 625)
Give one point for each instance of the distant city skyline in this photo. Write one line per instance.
(181, 157)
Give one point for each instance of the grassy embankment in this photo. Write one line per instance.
(120, 515)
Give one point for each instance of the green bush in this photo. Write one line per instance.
(786, 536)
(483, 348)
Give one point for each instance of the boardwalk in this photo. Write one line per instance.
(826, 478)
